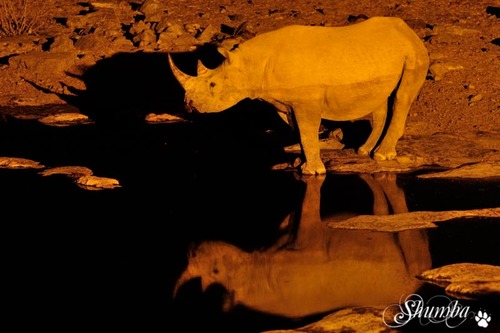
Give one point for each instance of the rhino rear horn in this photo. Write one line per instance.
(201, 69)
(179, 75)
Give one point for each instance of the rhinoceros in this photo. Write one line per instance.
(317, 269)
(311, 73)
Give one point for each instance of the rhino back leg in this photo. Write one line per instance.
(379, 117)
(408, 89)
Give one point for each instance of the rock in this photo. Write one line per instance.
(165, 40)
(436, 56)
(154, 118)
(72, 171)
(192, 28)
(465, 280)
(65, 119)
(207, 34)
(122, 44)
(138, 27)
(416, 23)
(93, 43)
(19, 163)
(475, 98)
(439, 69)
(150, 7)
(19, 44)
(145, 38)
(185, 43)
(166, 24)
(355, 319)
(474, 171)
(409, 221)
(453, 30)
(97, 183)
(40, 62)
(62, 44)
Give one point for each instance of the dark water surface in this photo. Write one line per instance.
(109, 260)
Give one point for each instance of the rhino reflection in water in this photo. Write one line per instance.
(318, 269)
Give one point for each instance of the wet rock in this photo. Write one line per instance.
(65, 119)
(466, 280)
(72, 171)
(415, 151)
(19, 163)
(356, 319)
(163, 118)
(97, 183)
(487, 169)
(409, 221)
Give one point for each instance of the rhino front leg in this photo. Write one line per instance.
(308, 124)
(379, 117)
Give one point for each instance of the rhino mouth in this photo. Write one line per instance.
(188, 104)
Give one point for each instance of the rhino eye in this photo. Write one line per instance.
(212, 84)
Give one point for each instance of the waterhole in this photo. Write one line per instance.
(202, 235)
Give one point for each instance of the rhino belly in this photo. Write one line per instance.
(354, 101)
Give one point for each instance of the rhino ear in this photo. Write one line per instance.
(226, 54)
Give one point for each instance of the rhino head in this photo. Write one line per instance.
(213, 90)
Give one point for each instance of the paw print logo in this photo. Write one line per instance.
(482, 319)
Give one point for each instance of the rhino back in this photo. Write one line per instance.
(310, 56)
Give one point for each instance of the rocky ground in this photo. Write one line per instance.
(46, 67)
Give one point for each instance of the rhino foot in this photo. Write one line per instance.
(363, 151)
(384, 155)
(313, 169)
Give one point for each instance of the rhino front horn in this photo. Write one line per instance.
(179, 75)
(186, 276)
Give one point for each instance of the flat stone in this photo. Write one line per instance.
(357, 319)
(162, 118)
(19, 163)
(65, 119)
(409, 221)
(97, 183)
(73, 171)
(465, 280)
(476, 171)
